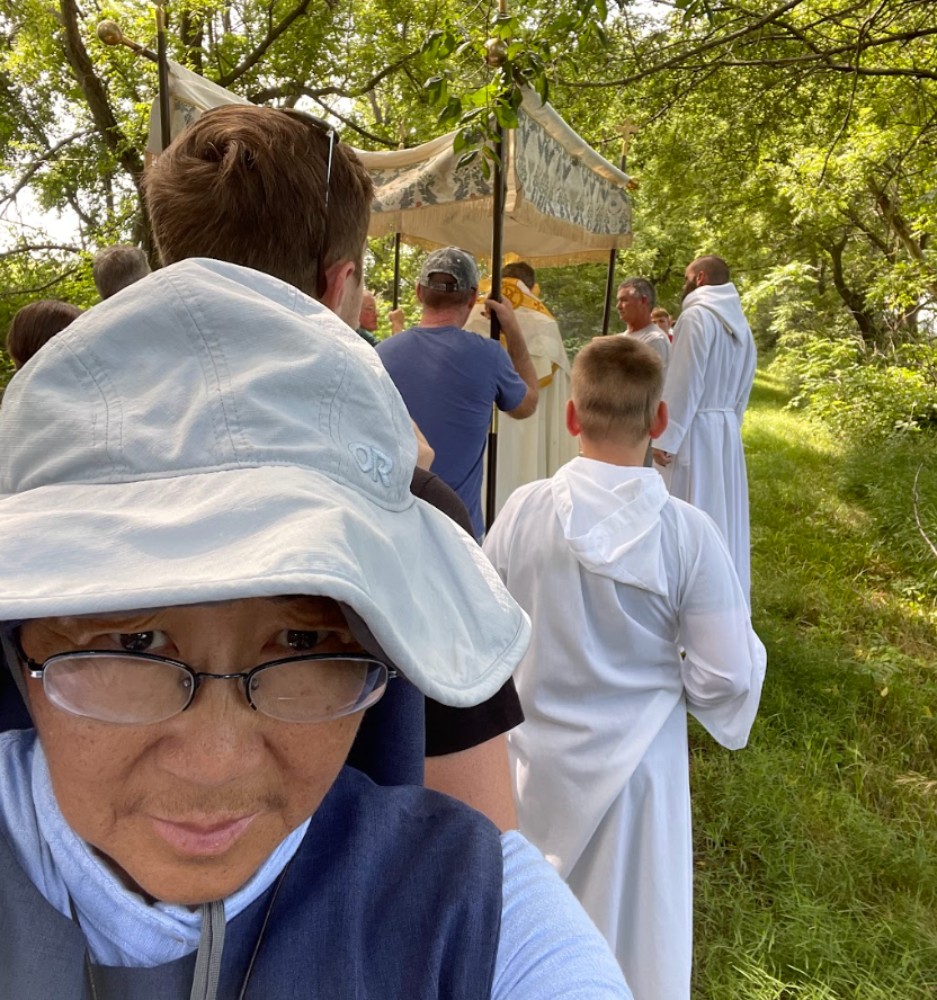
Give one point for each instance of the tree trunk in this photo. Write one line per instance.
(93, 89)
(871, 332)
(899, 226)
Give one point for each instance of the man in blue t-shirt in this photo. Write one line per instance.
(449, 378)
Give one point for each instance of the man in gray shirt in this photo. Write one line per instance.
(636, 298)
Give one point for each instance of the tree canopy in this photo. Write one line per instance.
(796, 139)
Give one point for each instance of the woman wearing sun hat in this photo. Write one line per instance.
(212, 564)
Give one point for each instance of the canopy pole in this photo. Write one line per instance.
(496, 52)
(609, 289)
(396, 293)
(625, 130)
(110, 34)
(162, 65)
(497, 241)
(395, 298)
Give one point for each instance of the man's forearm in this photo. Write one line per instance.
(519, 355)
(520, 358)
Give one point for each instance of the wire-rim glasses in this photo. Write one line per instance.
(125, 688)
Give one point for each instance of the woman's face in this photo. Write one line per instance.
(189, 808)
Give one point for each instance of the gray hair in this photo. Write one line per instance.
(117, 267)
(643, 287)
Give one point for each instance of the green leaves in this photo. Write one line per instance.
(451, 112)
(505, 115)
(437, 90)
(519, 50)
(513, 63)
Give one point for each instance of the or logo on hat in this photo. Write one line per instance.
(372, 462)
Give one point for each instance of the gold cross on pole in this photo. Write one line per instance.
(626, 130)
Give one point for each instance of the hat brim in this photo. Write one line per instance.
(423, 588)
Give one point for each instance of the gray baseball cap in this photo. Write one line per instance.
(451, 261)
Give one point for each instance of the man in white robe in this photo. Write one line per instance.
(709, 379)
(534, 448)
(618, 577)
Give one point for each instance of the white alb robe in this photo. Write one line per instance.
(536, 447)
(709, 379)
(617, 577)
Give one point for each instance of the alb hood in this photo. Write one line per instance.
(723, 300)
(611, 517)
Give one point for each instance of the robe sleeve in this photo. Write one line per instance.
(686, 377)
(724, 666)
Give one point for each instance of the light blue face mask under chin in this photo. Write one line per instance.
(121, 927)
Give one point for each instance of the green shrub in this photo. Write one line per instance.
(860, 393)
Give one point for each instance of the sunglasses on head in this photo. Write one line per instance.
(331, 133)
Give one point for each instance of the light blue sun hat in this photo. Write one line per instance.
(211, 433)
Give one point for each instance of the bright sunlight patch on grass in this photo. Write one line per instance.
(816, 847)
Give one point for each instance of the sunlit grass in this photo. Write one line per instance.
(816, 847)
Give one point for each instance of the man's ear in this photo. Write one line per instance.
(572, 419)
(343, 291)
(659, 423)
(468, 307)
(419, 293)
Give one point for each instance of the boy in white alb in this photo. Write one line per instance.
(638, 619)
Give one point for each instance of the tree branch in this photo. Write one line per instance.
(274, 31)
(713, 41)
(291, 90)
(95, 95)
(870, 234)
(845, 122)
(913, 73)
(899, 226)
(854, 302)
(917, 512)
(816, 54)
(9, 294)
(379, 139)
(33, 167)
(35, 247)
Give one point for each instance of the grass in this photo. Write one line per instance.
(816, 847)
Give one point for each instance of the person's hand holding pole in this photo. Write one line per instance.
(517, 351)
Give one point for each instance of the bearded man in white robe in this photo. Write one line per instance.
(709, 379)
(535, 448)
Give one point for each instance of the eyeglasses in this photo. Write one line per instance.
(331, 133)
(136, 689)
